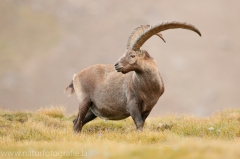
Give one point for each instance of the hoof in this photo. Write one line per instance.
(139, 129)
(76, 130)
(77, 126)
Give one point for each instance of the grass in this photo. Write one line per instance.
(48, 133)
(53, 111)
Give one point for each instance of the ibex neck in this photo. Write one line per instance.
(147, 83)
(148, 78)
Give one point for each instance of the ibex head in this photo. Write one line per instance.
(134, 57)
(130, 61)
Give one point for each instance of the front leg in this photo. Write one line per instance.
(145, 115)
(135, 113)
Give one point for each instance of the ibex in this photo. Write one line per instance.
(104, 92)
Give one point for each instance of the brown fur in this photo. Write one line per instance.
(110, 95)
(105, 93)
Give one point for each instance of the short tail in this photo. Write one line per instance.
(70, 89)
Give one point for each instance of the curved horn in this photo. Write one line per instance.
(137, 32)
(160, 36)
(150, 31)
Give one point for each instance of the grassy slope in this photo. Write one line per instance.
(171, 136)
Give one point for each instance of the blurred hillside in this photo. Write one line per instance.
(43, 43)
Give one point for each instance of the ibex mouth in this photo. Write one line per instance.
(118, 69)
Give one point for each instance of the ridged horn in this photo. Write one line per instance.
(137, 32)
(140, 39)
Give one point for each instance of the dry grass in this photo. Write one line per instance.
(47, 135)
(53, 111)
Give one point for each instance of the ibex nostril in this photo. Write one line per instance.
(116, 64)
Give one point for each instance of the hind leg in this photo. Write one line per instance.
(84, 105)
(89, 116)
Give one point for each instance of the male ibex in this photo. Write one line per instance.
(105, 93)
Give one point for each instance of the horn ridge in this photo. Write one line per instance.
(150, 31)
(138, 32)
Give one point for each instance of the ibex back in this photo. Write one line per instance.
(104, 92)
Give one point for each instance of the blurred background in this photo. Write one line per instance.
(43, 43)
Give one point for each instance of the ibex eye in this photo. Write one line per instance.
(132, 56)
